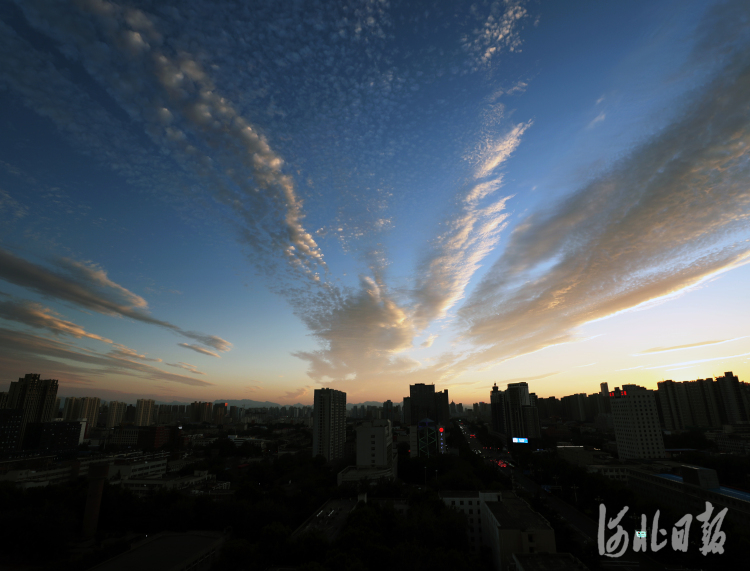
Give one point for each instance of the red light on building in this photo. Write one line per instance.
(441, 429)
(624, 393)
(611, 394)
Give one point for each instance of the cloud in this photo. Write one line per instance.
(186, 366)
(296, 394)
(173, 96)
(40, 317)
(88, 286)
(598, 119)
(688, 346)
(499, 31)
(199, 349)
(429, 341)
(472, 234)
(669, 215)
(696, 361)
(20, 347)
(126, 352)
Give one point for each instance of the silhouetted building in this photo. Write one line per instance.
(36, 397)
(329, 423)
(144, 411)
(407, 411)
(220, 411)
(388, 411)
(11, 424)
(129, 414)
(497, 409)
(72, 409)
(704, 402)
(115, 413)
(425, 402)
(54, 437)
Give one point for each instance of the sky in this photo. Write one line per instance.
(252, 200)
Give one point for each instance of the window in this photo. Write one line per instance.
(471, 511)
(453, 502)
(462, 503)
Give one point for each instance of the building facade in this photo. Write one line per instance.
(636, 420)
(329, 423)
(144, 412)
(36, 397)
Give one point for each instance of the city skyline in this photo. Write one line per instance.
(219, 202)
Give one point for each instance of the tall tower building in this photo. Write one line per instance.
(89, 410)
(144, 412)
(388, 411)
(637, 429)
(72, 409)
(516, 396)
(604, 389)
(329, 423)
(35, 397)
(423, 402)
(497, 409)
(116, 413)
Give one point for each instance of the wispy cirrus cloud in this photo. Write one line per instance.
(683, 364)
(669, 215)
(88, 286)
(15, 346)
(654, 350)
(199, 349)
(127, 353)
(187, 367)
(40, 317)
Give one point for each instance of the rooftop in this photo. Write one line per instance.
(723, 490)
(514, 513)
(163, 552)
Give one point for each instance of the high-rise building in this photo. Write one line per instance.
(460, 408)
(574, 407)
(116, 413)
(497, 409)
(329, 423)
(144, 411)
(516, 396)
(4, 400)
(735, 399)
(423, 402)
(453, 408)
(512, 412)
(637, 428)
(388, 411)
(57, 411)
(36, 397)
(72, 409)
(407, 411)
(604, 389)
(375, 444)
(220, 411)
(706, 403)
(89, 410)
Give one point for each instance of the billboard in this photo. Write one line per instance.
(520, 440)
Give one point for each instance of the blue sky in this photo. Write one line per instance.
(225, 200)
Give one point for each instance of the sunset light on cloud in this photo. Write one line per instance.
(221, 200)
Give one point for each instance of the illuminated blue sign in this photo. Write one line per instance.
(521, 440)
